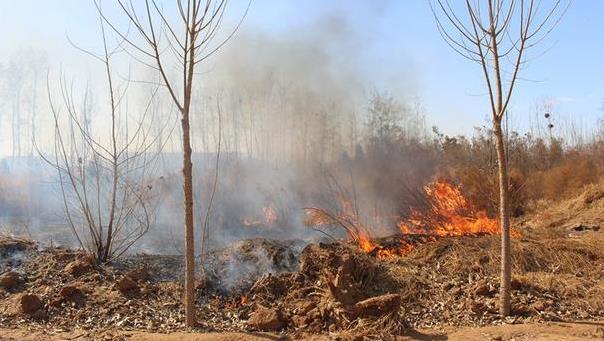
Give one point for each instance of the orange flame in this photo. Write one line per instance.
(270, 215)
(269, 218)
(448, 214)
(365, 242)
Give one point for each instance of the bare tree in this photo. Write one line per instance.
(106, 193)
(496, 34)
(189, 37)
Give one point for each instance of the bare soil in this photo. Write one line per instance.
(586, 330)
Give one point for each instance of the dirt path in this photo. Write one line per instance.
(38, 335)
(518, 332)
(541, 332)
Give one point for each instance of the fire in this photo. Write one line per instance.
(269, 218)
(233, 302)
(347, 218)
(365, 242)
(270, 215)
(448, 213)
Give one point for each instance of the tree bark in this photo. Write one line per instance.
(188, 180)
(187, 171)
(506, 256)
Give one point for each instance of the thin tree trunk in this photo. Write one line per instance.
(506, 266)
(188, 186)
(189, 238)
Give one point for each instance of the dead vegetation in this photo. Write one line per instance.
(326, 288)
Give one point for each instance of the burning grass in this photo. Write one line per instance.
(269, 218)
(446, 212)
(443, 211)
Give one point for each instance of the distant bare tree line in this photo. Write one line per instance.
(21, 77)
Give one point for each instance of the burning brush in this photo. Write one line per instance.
(445, 212)
(319, 217)
(269, 218)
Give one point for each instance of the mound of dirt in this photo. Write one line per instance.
(336, 288)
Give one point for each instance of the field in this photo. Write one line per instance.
(444, 285)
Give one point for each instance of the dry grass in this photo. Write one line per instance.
(535, 252)
(9, 241)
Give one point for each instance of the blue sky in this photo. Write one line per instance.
(398, 44)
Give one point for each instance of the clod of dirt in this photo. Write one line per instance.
(377, 306)
(127, 286)
(266, 319)
(343, 284)
(72, 293)
(30, 303)
(10, 280)
(475, 306)
(80, 267)
(482, 289)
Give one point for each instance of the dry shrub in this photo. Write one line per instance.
(10, 244)
(482, 188)
(593, 194)
(539, 169)
(594, 297)
(568, 177)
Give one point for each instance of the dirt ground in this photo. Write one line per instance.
(586, 330)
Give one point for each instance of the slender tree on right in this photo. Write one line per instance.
(496, 34)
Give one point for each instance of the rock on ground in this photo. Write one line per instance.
(10, 280)
(30, 303)
(79, 267)
(266, 319)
